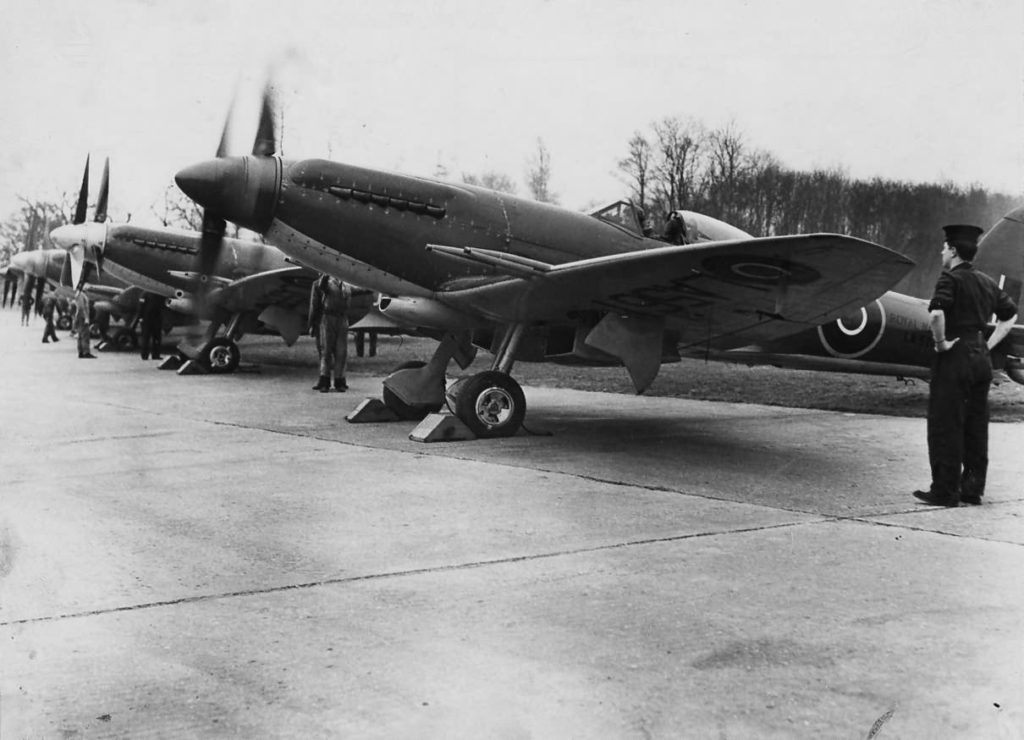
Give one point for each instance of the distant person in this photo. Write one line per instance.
(10, 287)
(328, 322)
(101, 319)
(63, 307)
(49, 306)
(151, 314)
(675, 229)
(961, 307)
(82, 325)
(26, 302)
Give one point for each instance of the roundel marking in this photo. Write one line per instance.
(856, 334)
(758, 270)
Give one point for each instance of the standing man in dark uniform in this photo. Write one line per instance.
(328, 322)
(961, 308)
(82, 325)
(151, 313)
(49, 306)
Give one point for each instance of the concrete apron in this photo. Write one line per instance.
(225, 556)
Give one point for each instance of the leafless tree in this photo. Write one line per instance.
(638, 166)
(178, 211)
(30, 227)
(678, 149)
(491, 181)
(538, 175)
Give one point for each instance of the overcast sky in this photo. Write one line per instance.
(920, 90)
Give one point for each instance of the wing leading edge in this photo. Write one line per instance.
(733, 292)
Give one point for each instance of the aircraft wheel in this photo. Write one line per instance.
(125, 339)
(491, 404)
(408, 411)
(64, 323)
(94, 332)
(221, 356)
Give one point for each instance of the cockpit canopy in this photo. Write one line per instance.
(698, 227)
(623, 214)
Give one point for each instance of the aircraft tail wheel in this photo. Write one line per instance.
(221, 356)
(491, 404)
(408, 411)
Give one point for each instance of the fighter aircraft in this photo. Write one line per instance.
(891, 335)
(249, 287)
(529, 280)
(108, 295)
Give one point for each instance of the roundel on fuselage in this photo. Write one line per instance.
(855, 334)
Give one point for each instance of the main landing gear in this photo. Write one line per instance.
(218, 355)
(490, 404)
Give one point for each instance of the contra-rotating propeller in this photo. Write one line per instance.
(85, 242)
(265, 144)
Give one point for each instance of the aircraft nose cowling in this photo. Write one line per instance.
(239, 189)
(63, 236)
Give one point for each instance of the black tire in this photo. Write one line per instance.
(125, 340)
(221, 356)
(64, 323)
(406, 411)
(491, 404)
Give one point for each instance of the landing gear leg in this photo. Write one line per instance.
(417, 389)
(221, 354)
(492, 403)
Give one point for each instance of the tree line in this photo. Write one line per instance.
(681, 164)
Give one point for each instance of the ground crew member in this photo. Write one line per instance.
(961, 308)
(328, 322)
(26, 301)
(49, 306)
(82, 325)
(151, 313)
(10, 287)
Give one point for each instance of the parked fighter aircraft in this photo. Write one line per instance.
(107, 294)
(530, 280)
(250, 288)
(892, 335)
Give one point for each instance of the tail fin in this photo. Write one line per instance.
(1001, 253)
(1001, 256)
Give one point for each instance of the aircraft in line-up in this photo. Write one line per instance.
(892, 334)
(110, 296)
(250, 288)
(529, 280)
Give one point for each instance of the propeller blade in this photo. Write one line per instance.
(76, 259)
(101, 204)
(225, 139)
(265, 144)
(66, 278)
(210, 245)
(83, 196)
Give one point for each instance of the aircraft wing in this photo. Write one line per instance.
(729, 292)
(287, 287)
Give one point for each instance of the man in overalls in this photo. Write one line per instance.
(328, 322)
